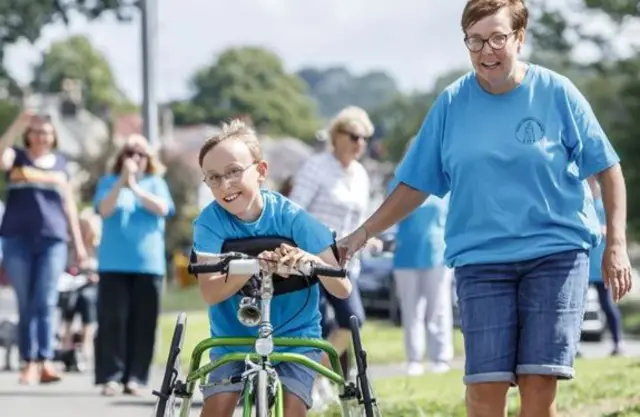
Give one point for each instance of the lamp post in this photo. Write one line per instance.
(148, 9)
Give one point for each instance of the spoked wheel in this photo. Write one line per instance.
(367, 398)
(165, 407)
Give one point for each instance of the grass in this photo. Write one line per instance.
(603, 388)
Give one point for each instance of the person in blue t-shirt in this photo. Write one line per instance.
(235, 171)
(133, 201)
(512, 143)
(611, 310)
(423, 284)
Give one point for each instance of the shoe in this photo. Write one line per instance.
(415, 369)
(326, 391)
(618, 350)
(132, 388)
(440, 368)
(110, 389)
(49, 374)
(28, 374)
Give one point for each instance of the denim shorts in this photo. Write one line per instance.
(296, 379)
(522, 318)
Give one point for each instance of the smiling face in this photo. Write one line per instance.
(494, 46)
(235, 177)
(40, 136)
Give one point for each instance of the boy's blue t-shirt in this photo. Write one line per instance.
(595, 257)
(419, 241)
(133, 238)
(514, 165)
(294, 314)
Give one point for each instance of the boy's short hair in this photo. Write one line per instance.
(236, 129)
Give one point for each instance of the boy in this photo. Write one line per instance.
(233, 168)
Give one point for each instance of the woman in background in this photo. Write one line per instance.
(134, 201)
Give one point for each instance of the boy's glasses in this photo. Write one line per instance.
(233, 175)
(497, 41)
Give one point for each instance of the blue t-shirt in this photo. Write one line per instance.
(132, 236)
(294, 314)
(419, 238)
(514, 164)
(595, 257)
(35, 202)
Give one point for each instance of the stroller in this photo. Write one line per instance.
(74, 287)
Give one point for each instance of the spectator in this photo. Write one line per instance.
(513, 142)
(334, 187)
(610, 308)
(84, 303)
(134, 201)
(40, 212)
(423, 284)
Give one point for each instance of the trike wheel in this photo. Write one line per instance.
(165, 406)
(365, 389)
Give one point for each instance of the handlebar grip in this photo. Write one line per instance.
(195, 269)
(329, 272)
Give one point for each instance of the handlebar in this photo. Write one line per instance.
(235, 263)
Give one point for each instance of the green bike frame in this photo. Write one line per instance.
(200, 373)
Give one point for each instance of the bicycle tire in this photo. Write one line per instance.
(362, 379)
(172, 367)
(261, 396)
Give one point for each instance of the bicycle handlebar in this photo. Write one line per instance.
(240, 264)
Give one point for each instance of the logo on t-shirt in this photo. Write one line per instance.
(529, 131)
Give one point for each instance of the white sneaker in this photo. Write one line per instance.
(326, 391)
(415, 369)
(440, 368)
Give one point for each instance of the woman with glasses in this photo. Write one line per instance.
(513, 144)
(39, 219)
(134, 201)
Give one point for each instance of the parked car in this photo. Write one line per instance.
(377, 289)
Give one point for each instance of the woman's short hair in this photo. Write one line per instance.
(476, 10)
(154, 166)
(348, 116)
(42, 120)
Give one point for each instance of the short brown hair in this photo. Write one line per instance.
(476, 10)
(236, 129)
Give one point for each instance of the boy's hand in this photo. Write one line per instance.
(268, 261)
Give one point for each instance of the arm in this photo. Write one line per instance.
(398, 205)
(338, 287)
(17, 128)
(215, 288)
(155, 204)
(107, 204)
(614, 198)
(71, 212)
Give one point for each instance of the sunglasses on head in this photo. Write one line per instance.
(354, 137)
(130, 153)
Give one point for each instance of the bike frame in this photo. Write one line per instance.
(196, 372)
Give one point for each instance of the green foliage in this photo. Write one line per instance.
(335, 88)
(250, 81)
(76, 58)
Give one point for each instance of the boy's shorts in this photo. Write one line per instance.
(522, 318)
(296, 379)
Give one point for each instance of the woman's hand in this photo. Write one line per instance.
(129, 171)
(349, 245)
(616, 270)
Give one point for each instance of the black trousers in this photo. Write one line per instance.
(128, 309)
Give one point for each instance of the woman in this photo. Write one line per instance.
(134, 201)
(423, 285)
(40, 213)
(513, 143)
(333, 186)
(611, 310)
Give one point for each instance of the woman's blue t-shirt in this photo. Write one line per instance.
(294, 314)
(133, 238)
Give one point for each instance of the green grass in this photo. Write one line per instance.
(383, 341)
(603, 388)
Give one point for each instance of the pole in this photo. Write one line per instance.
(149, 55)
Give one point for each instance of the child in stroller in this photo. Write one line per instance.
(78, 296)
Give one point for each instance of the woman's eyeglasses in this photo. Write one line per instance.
(496, 41)
(354, 137)
(130, 153)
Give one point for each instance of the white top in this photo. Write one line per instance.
(205, 197)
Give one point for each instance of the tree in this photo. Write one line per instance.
(250, 81)
(76, 58)
(26, 18)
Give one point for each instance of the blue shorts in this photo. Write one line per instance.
(296, 379)
(522, 318)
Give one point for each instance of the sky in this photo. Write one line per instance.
(412, 40)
